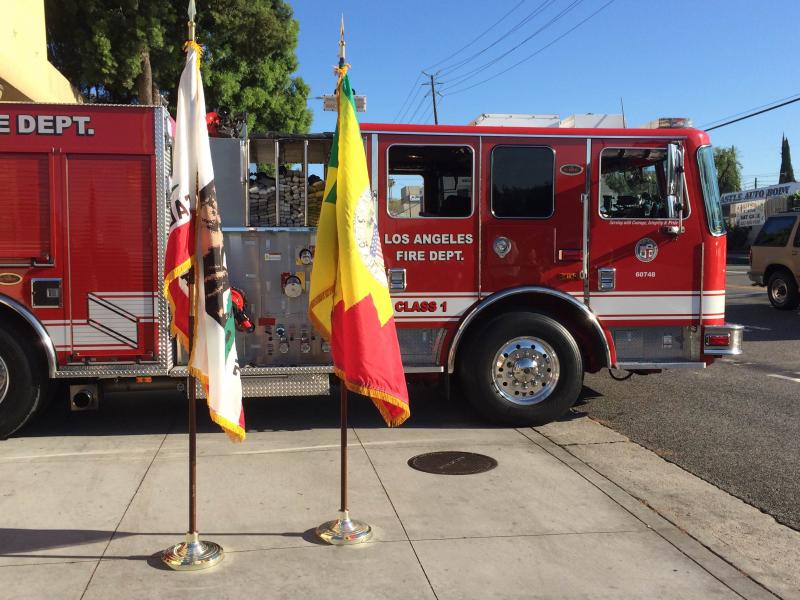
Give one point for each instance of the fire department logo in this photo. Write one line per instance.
(571, 169)
(366, 233)
(9, 279)
(646, 250)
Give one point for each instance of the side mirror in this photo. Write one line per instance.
(675, 186)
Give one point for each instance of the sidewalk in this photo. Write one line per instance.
(85, 515)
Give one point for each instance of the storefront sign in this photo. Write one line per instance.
(773, 191)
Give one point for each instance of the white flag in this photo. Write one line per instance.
(213, 357)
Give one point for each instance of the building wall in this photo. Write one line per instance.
(25, 73)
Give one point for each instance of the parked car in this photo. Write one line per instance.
(775, 259)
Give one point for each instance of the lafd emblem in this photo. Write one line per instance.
(365, 229)
(646, 250)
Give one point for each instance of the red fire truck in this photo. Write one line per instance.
(518, 258)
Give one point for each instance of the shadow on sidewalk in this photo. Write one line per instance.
(25, 543)
(159, 413)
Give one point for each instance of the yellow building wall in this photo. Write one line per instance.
(25, 73)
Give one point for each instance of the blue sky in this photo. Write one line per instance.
(705, 59)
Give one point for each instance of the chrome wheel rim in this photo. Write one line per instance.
(3, 379)
(525, 370)
(779, 291)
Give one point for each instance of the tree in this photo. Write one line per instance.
(729, 169)
(787, 173)
(129, 51)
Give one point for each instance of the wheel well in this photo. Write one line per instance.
(572, 317)
(15, 323)
(768, 272)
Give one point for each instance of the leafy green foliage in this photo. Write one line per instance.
(116, 50)
(729, 169)
(787, 173)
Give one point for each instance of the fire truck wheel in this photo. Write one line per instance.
(22, 384)
(522, 369)
(782, 291)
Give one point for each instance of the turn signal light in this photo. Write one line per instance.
(722, 339)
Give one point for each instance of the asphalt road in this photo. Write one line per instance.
(735, 424)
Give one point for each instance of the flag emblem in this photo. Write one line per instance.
(195, 250)
(349, 295)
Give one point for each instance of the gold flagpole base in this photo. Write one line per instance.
(344, 531)
(192, 555)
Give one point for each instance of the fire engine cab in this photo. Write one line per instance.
(518, 258)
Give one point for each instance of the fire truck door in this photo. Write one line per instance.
(531, 213)
(427, 217)
(112, 256)
(639, 273)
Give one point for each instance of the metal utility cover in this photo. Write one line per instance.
(452, 463)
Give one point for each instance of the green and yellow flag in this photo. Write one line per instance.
(349, 295)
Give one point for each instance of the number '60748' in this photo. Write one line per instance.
(645, 273)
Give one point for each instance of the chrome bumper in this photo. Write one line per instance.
(734, 333)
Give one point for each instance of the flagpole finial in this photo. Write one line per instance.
(341, 42)
(191, 23)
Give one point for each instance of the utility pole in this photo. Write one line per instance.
(433, 95)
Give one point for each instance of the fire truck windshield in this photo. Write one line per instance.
(708, 179)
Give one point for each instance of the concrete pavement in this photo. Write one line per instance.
(571, 511)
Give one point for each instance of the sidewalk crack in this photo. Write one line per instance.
(127, 508)
(397, 514)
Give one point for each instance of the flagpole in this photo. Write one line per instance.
(343, 531)
(343, 443)
(194, 554)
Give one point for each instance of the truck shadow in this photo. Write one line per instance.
(161, 413)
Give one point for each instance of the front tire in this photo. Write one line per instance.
(521, 368)
(23, 385)
(782, 291)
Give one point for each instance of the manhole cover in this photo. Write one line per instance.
(452, 463)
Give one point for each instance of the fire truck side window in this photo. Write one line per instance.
(522, 182)
(430, 181)
(633, 183)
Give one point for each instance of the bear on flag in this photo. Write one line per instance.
(195, 250)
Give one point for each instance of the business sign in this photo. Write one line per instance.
(750, 214)
(772, 191)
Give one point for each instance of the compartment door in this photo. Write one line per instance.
(112, 256)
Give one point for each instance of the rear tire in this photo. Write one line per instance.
(782, 291)
(23, 384)
(521, 368)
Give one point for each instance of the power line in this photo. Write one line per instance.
(530, 56)
(411, 91)
(419, 106)
(749, 109)
(543, 6)
(461, 79)
(760, 112)
(495, 24)
(411, 104)
(414, 91)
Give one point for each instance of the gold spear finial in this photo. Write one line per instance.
(191, 24)
(341, 42)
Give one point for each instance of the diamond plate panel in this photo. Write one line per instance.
(420, 347)
(286, 385)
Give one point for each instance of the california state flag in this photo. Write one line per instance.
(194, 249)
(349, 297)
